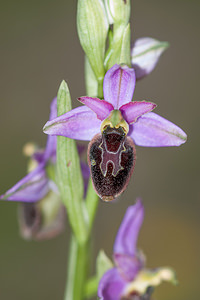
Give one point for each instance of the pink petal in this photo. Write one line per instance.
(128, 266)
(119, 85)
(100, 107)
(80, 123)
(53, 109)
(133, 110)
(152, 130)
(50, 149)
(31, 188)
(111, 285)
(126, 240)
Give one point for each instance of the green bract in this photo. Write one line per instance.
(69, 177)
(119, 50)
(92, 26)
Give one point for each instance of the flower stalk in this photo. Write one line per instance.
(76, 270)
(92, 201)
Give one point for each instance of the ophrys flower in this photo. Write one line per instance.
(129, 279)
(114, 125)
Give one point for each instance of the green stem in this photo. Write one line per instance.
(100, 88)
(78, 262)
(77, 270)
(92, 201)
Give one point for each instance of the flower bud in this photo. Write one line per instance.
(145, 55)
(119, 51)
(118, 11)
(92, 26)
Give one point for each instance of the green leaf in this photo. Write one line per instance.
(69, 177)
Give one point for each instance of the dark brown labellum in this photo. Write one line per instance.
(111, 157)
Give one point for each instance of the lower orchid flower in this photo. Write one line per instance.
(36, 184)
(129, 279)
(114, 125)
(42, 214)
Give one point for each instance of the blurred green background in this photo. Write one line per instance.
(39, 48)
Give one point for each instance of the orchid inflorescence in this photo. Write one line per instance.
(58, 180)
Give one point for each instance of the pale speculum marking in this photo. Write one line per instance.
(112, 147)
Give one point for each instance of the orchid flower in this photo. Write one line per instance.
(114, 125)
(41, 213)
(36, 184)
(129, 279)
(145, 128)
